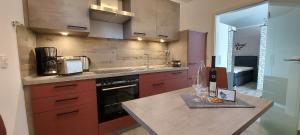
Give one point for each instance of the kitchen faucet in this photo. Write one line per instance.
(148, 59)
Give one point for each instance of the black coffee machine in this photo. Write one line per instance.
(46, 61)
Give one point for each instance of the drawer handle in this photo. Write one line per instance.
(73, 27)
(175, 73)
(67, 113)
(68, 99)
(158, 84)
(67, 85)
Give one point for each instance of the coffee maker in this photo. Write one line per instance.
(46, 61)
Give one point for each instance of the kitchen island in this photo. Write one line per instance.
(167, 114)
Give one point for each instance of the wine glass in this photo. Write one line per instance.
(199, 82)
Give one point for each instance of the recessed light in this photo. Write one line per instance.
(162, 40)
(139, 38)
(64, 33)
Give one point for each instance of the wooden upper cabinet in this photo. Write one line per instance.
(59, 15)
(168, 19)
(144, 20)
(154, 19)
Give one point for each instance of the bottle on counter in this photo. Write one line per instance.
(213, 78)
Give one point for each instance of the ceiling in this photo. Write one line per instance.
(246, 17)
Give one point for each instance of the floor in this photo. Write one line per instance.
(254, 129)
(249, 89)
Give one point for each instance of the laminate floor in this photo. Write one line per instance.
(249, 89)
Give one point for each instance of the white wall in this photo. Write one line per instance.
(199, 15)
(250, 36)
(221, 46)
(12, 106)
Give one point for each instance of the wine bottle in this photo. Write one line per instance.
(213, 78)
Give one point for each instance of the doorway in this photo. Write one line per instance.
(240, 42)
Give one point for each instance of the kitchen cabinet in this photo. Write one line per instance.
(190, 50)
(153, 20)
(54, 16)
(157, 83)
(64, 108)
(168, 13)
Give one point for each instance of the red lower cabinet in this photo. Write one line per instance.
(157, 83)
(80, 120)
(115, 125)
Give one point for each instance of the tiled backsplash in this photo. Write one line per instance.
(104, 53)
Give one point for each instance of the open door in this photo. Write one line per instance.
(282, 68)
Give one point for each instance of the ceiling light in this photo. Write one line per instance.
(139, 38)
(162, 40)
(64, 33)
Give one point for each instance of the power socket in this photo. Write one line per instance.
(3, 61)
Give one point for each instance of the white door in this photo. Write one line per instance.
(282, 70)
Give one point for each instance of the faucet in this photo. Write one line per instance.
(148, 59)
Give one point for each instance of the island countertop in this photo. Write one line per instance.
(167, 114)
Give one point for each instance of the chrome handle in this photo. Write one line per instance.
(120, 87)
(293, 59)
(73, 27)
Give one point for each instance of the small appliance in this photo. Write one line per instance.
(86, 62)
(69, 65)
(46, 62)
(176, 63)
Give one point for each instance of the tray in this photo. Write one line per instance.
(193, 101)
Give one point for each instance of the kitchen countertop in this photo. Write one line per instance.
(167, 114)
(101, 73)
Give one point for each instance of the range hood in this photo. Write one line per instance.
(108, 14)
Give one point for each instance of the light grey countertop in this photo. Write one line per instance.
(100, 73)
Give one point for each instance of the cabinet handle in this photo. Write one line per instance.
(158, 84)
(73, 27)
(163, 36)
(67, 113)
(139, 34)
(68, 99)
(175, 73)
(67, 85)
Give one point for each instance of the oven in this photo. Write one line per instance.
(111, 92)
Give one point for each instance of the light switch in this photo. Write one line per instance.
(3, 61)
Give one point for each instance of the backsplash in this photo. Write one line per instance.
(104, 53)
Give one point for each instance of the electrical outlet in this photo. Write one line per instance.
(3, 61)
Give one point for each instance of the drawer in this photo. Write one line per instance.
(58, 102)
(176, 84)
(177, 74)
(81, 120)
(151, 87)
(62, 88)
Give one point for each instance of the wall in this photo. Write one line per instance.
(106, 53)
(250, 36)
(12, 106)
(222, 42)
(199, 15)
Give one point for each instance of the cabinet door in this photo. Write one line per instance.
(59, 15)
(81, 120)
(168, 13)
(144, 20)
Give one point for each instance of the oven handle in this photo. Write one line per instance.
(120, 87)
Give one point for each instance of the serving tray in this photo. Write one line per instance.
(193, 101)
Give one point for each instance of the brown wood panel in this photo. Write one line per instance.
(114, 125)
(2, 127)
(62, 88)
(59, 15)
(196, 46)
(151, 87)
(80, 120)
(62, 101)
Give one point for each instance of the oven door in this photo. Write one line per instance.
(110, 99)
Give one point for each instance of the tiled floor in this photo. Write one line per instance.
(249, 89)
(254, 129)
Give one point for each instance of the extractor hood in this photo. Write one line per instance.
(108, 14)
